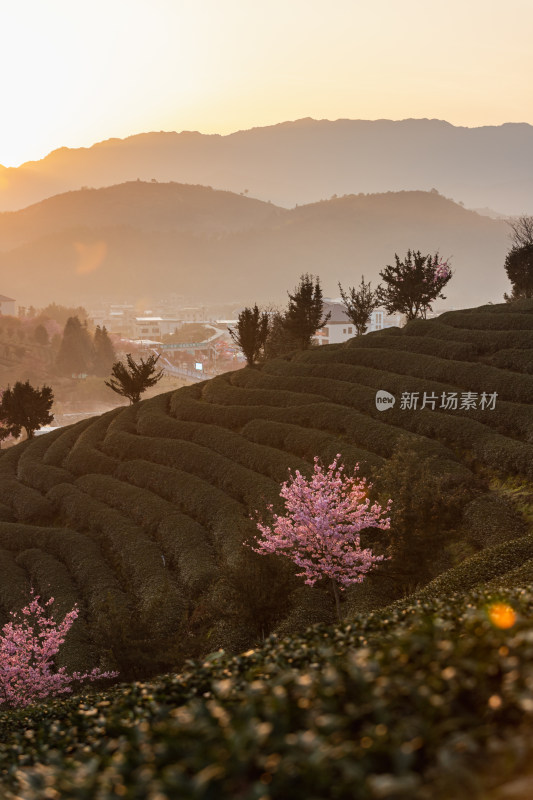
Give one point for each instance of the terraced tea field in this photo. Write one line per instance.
(139, 515)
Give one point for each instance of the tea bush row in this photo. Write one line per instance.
(184, 543)
(242, 483)
(224, 518)
(467, 376)
(487, 341)
(351, 386)
(135, 558)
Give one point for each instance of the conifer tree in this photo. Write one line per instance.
(104, 352)
(251, 333)
(76, 352)
(304, 315)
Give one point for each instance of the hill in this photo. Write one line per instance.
(139, 515)
(301, 162)
(146, 239)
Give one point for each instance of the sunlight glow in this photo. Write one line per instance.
(78, 73)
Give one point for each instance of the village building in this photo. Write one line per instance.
(7, 306)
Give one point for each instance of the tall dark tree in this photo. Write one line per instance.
(304, 315)
(133, 380)
(519, 268)
(25, 407)
(412, 285)
(359, 305)
(251, 333)
(76, 352)
(104, 352)
(40, 334)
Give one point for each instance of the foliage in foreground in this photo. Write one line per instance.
(404, 703)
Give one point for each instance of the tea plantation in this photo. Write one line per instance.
(140, 515)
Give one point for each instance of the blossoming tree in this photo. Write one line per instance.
(320, 530)
(27, 651)
(412, 285)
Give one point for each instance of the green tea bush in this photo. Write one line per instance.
(184, 544)
(14, 586)
(513, 359)
(134, 556)
(220, 391)
(60, 448)
(406, 703)
(486, 341)
(223, 517)
(243, 484)
(481, 568)
(487, 321)
(474, 377)
(439, 348)
(304, 443)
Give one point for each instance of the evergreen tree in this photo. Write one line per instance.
(104, 352)
(519, 269)
(76, 352)
(279, 339)
(133, 380)
(359, 305)
(251, 333)
(304, 315)
(40, 334)
(23, 406)
(413, 284)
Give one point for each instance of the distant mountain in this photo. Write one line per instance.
(303, 162)
(147, 239)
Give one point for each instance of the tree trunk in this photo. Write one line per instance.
(337, 599)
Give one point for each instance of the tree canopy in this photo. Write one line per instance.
(359, 305)
(132, 380)
(412, 285)
(519, 268)
(25, 407)
(304, 315)
(251, 333)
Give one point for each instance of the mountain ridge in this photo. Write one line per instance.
(301, 161)
(211, 245)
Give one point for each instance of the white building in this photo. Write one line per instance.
(7, 306)
(156, 327)
(339, 327)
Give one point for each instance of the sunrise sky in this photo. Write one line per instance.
(76, 72)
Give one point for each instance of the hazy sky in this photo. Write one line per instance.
(75, 72)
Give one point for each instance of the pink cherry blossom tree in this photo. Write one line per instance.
(320, 530)
(27, 650)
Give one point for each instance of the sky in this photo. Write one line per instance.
(76, 72)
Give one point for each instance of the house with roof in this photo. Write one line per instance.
(7, 306)
(340, 328)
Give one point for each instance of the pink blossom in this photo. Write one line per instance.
(320, 530)
(27, 651)
(442, 271)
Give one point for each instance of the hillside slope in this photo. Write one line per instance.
(147, 239)
(140, 515)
